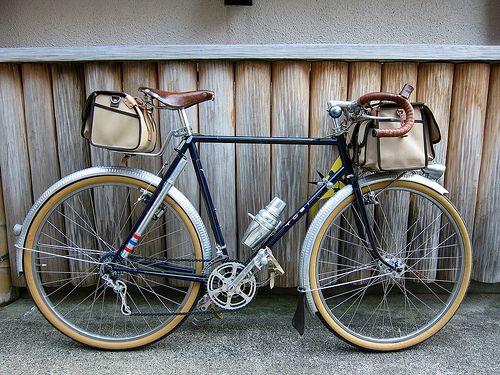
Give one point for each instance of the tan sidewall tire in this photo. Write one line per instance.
(189, 300)
(354, 340)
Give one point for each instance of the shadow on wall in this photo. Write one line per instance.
(493, 22)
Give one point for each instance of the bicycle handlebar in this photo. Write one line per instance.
(398, 99)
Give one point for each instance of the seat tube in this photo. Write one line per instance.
(184, 121)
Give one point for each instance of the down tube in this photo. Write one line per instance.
(303, 210)
(207, 198)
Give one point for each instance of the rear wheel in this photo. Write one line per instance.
(72, 237)
(363, 301)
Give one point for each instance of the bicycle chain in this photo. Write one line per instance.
(209, 262)
(194, 312)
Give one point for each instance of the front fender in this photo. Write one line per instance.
(329, 207)
(139, 174)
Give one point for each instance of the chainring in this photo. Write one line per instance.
(221, 291)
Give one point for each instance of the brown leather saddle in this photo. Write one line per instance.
(178, 100)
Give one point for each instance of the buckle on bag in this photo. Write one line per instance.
(115, 101)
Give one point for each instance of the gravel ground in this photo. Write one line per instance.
(257, 340)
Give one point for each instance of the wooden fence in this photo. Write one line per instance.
(41, 103)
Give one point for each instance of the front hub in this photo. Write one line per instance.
(397, 269)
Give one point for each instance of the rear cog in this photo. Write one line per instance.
(222, 290)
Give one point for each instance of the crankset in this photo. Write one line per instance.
(226, 291)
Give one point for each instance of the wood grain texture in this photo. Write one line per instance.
(486, 247)
(218, 160)
(69, 97)
(180, 76)
(459, 100)
(14, 160)
(434, 87)
(109, 204)
(394, 76)
(410, 214)
(135, 75)
(380, 52)
(290, 166)
(103, 76)
(42, 148)
(465, 140)
(40, 126)
(364, 77)
(328, 82)
(253, 162)
(68, 89)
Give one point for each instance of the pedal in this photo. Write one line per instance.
(275, 265)
(217, 315)
(275, 268)
(204, 305)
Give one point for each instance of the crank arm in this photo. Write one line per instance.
(262, 258)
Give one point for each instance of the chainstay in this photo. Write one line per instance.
(208, 312)
(179, 260)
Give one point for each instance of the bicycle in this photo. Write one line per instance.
(138, 256)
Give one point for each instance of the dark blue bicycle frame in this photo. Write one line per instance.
(344, 174)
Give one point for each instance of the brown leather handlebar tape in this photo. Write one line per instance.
(405, 105)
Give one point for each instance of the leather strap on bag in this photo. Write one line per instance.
(399, 100)
(131, 102)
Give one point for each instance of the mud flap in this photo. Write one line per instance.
(298, 321)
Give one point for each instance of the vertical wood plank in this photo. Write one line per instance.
(253, 162)
(14, 160)
(434, 88)
(106, 76)
(465, 140)
(153, 241)
(103, 76)
(364, 77)
(394, 76)
(486, 254)
(328, 82)
(40, 126)
(42, 146)
(218, 160)
(180, 76)
(290, 117)
(69, 97)
(135, 75)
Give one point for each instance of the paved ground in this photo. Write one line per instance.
(257, 340)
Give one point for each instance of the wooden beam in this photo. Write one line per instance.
(377, 52)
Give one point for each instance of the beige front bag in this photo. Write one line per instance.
(114, 120)
(412, 151)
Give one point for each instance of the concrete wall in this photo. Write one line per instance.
(37, 23)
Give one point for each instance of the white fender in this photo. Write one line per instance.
(329, 207)
(139, 174)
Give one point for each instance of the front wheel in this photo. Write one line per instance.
(75, 234)
(368, 304)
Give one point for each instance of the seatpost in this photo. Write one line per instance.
(184, 121)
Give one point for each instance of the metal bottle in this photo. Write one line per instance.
(264, 223)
